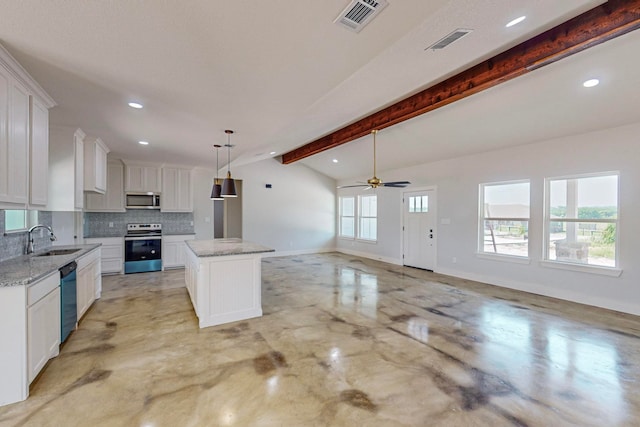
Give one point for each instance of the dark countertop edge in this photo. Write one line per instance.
(43, 268)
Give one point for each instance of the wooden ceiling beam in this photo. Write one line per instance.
(605, 22)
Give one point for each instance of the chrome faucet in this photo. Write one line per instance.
(30, 236)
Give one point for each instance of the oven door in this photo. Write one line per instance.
(142, 254)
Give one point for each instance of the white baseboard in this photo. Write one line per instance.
(535, 288)
(370, 256)
(298, 252)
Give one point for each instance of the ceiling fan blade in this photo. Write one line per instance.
(396, 184)
(353, 186)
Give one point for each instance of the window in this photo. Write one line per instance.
(360, 220)
(19, 220)
(368, 217)
(418, 204)
(504, 218)
(347, 217)
(582, 220)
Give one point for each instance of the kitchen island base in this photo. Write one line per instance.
(224, 288)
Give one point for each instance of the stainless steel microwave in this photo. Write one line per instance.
(142, 201)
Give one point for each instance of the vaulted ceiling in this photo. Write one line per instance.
(282, 74)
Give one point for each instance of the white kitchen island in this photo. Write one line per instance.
(224, 279)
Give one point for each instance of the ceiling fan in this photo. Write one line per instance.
(376, 182)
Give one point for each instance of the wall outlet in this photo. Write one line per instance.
(207, 219)
(111, 225)
(454, 260)
(192, 223)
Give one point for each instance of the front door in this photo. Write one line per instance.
(419, 231)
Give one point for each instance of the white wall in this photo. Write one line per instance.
(64, 226)
(202, 205)
(296, 215)
(457, 183)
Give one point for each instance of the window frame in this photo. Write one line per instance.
(341, 216)
(480, 252)
(359, 217)
(547, 220)
(30, 219)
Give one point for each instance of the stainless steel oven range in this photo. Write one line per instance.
(143, 248)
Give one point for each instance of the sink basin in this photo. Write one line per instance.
(54, 252)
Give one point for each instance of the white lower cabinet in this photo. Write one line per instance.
(30, 325)
(43, 323)
(112, 250)
(29, 333)
(88, 281)
(173, 250)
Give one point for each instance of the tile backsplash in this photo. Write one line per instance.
(96, 224)
(14, 244)
(114, 224)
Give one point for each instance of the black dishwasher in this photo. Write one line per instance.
(68, 300)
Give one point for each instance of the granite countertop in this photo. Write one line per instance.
(224, 247)
(26, 269)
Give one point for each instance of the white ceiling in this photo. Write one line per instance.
(281, 74)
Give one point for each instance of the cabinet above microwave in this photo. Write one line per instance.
(142, 178)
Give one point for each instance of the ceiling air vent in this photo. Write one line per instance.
(359, 13)
(449, 38)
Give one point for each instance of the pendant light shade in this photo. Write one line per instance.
(216, 190)
(228, 185)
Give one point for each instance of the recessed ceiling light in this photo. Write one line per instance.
(143, 142)
(272, 153)
(591, 83)
(135, 105)
(516, 21)
(335, 160)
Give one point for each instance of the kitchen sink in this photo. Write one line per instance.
(54, 252)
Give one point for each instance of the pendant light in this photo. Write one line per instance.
(228, 185)
(217, 188)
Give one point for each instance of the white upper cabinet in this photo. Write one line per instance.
(142, 178)
(113, 199)
(39, 154)
(95, 165)
(176, 190)
(78, 167)
(24, 120)
(66, 169)
(18, 157)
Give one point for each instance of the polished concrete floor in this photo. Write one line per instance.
(343, 341)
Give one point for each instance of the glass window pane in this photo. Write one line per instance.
(506, 237)
(591, 243)
(368, 228)
(368, 206)
(507, 200)
(425, 204)
(15, 220)
(412, 204)
(348, 206)
(584, 198)
(505, 219)
(347, 227)
(367, 221)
